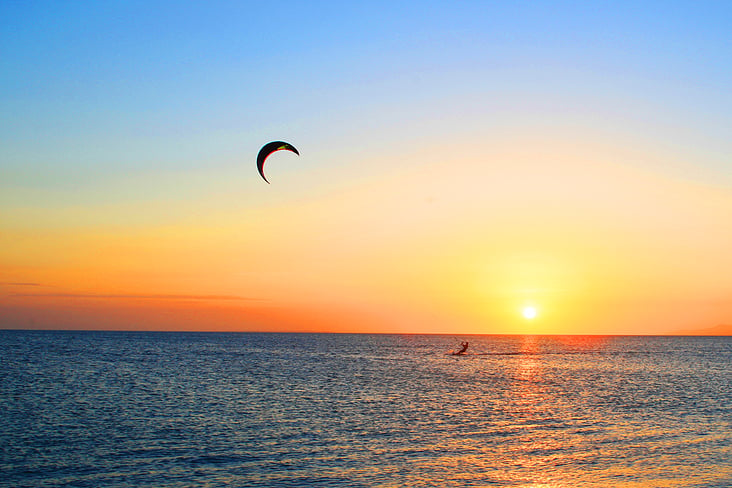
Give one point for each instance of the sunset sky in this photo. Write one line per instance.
(459, 163)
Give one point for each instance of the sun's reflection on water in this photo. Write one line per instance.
(529, 427)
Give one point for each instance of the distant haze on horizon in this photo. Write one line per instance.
(527, 167)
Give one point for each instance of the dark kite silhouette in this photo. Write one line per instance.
(268, 149)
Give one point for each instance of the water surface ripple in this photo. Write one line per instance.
(91, 409)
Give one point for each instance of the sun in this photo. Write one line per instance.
(529, 312)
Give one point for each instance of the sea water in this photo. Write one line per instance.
(98, 409)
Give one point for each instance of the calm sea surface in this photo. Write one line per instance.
(96, 409)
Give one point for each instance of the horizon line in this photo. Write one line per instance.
(358, 333)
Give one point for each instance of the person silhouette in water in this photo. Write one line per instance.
(464, 346)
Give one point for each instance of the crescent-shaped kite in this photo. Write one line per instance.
(268, 149)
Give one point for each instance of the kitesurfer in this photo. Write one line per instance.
(464, 346)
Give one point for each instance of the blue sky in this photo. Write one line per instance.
(129, 131)
(127, 85)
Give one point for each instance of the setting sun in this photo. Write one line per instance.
(529, 312)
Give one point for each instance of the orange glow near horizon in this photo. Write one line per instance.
(445, 252)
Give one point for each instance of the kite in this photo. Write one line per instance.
(268, 149)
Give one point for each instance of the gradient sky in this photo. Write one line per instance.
(459, 162)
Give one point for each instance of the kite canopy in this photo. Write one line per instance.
(268, 149)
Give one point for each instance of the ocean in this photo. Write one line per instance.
(154, 409)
